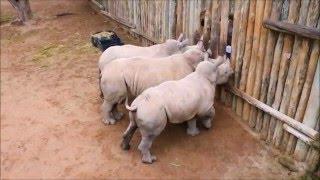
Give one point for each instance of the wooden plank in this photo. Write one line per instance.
(293, 29)
(282, 117)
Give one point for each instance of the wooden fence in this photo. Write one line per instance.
(275, 56)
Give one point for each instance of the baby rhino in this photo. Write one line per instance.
(169, 47)
(173, 101)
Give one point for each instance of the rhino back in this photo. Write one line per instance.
(191, 96)
(147, 74)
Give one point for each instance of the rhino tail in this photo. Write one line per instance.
(128, 107)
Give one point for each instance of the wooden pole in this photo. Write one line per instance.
(301, 136)
(277, 137)
(23, 10)
(215, 28)
(268, 59)
(260, 58)
(241, 44)
(301, 71)
(294, 29)
(224, 35)
(284, 64)
(234, 43)
(272, 84)
(313, 157)
(253, 61)
(247, 54)
(313, 134)
(224, 26)
(235, 31)
(312, 111)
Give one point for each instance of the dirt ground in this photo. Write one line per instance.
(50, 111)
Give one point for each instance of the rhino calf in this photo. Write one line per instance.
(131, 76)
(173, 101)
(169, 47)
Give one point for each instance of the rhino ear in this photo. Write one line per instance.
(200, 43)
(180, 38)
(218, 61)
(184, 43)
(206, 57)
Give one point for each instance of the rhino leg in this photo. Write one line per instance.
(207, 120)
(145, 146)
(116, 114)
(127, 136)
(192, 127)
(106, 111)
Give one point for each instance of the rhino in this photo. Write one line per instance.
(169, 47)
(131, 76)
(187, 99)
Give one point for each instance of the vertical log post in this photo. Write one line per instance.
(312, 106)
(259, 63)
(241, 45)
(313, 156)
(235, 32)
(215, 28)
(253, 61)
(224, 35)
(247, 53)
(268, 59)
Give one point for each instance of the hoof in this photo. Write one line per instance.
(125, 146)
(193, 132)
(207, 124)
(149, 160)
(118, 115)
(109, 121)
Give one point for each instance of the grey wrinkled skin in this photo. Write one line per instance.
(131, 76)
(177, 101)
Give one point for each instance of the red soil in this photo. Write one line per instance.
(50, 112)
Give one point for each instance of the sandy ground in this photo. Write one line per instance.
(50, 112)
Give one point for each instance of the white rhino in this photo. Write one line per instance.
(170, 47)
(131, 76)
(175, 102)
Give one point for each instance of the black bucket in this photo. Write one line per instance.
(105, 39)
